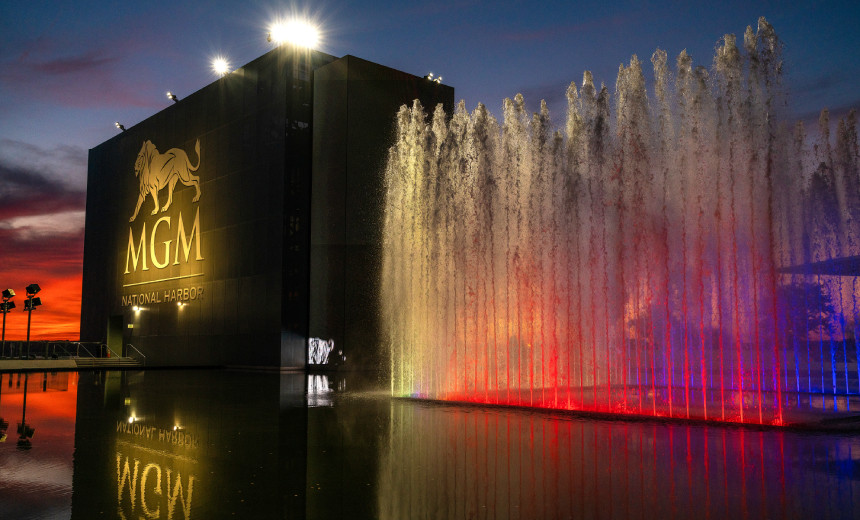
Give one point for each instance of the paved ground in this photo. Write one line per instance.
(20, 365)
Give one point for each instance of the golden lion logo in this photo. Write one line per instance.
(157, 170)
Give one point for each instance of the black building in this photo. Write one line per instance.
(236, 224)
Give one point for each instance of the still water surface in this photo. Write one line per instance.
(209, 444)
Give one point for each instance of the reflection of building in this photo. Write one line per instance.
(158, 444)
(233, 225)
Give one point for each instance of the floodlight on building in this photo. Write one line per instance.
(437, 79)
(300, 33)
(171, 96)
(118, 125)
(220, 65)
(136, 308)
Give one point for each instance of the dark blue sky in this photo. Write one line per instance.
(68, 70)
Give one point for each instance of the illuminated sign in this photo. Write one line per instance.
(162, 246)
(160, 258)
(155, 171)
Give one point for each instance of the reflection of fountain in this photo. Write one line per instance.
(626, 265)
(471, 462)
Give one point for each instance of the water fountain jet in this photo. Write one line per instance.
(630, 264)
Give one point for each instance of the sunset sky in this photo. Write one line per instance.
(68, 70)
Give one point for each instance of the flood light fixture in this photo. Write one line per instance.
(300, 33)
(118, 125)
(437, 79)
(171, 96)
(220, 65)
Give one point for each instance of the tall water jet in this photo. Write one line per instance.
(629, 264)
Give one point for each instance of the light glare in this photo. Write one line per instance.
(220, 65)
(297, 32)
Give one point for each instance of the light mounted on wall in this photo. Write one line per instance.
(171, 96)
(220, 65)
(437, 79)
(118, 125)
(300, 33)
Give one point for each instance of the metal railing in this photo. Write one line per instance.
(141, 354)
(65, 350)
(91, 358)
(111, 352)
(83, 353)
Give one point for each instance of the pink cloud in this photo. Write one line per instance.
(87, 78)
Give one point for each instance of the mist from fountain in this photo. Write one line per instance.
(629, 262)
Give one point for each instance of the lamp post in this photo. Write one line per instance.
(29, 305)
(5, 307)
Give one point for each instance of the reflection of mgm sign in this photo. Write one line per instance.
(145, 488)
(167, 243)
(158, 170)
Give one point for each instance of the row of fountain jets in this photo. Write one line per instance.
(631, 261)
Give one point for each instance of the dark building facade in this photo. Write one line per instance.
(236, 224)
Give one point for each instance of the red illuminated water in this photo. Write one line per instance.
(628, 262)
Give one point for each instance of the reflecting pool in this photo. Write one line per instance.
(181, 444)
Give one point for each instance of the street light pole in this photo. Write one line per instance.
(5, 307)
(29, 305)
(3, 349)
